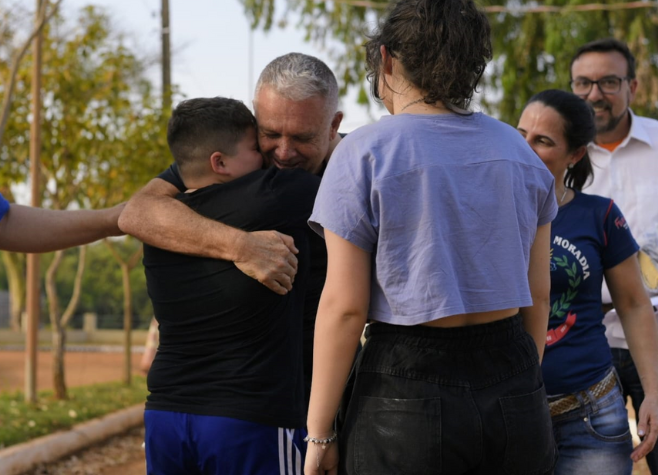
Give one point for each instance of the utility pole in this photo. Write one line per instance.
(166, 59)
(33, 270)
(250, 71)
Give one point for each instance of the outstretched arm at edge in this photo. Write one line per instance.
(154, 216)
(33, 230)
(535, 318)
(639, 322)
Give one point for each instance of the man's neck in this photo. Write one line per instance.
(332, 146)
(618, 134)
(201, 182)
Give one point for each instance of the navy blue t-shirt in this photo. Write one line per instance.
(4, 206)
(588, 236)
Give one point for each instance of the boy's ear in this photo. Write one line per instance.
(218, 163)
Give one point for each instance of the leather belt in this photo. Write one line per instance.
(570, 402)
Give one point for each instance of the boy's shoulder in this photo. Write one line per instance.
(293, 177)
(269, 190)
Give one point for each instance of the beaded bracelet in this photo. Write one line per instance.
(322, 442)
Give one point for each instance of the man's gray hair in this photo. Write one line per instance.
(298, 76)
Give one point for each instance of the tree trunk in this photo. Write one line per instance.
(58, 322)
(126, 267)
(77, 287)
(127, 324)
(15, 267)
(59, 380)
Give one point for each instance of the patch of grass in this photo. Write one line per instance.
(21, 421)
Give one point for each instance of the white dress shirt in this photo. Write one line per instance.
(628, 175)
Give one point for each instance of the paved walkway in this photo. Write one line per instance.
(121, 455)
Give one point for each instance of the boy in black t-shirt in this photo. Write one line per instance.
(226, 386)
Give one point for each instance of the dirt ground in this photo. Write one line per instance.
(122, 455)
(81, 368)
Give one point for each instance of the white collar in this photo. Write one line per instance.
(637, 132)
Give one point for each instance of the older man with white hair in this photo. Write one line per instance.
(296, 107)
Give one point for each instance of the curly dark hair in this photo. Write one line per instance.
(443, 45)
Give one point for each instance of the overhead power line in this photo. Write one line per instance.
(535, 9)
(590, 7)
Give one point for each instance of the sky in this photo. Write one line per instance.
(210, 47)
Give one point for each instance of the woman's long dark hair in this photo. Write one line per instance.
(579, 130)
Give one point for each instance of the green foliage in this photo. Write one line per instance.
(3, 277)
(345, 24)
(103, 133)
(102, 291)
(532, 51)
(21, 421)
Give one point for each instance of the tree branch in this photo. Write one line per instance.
(51, 291)
(11, 80)
(134, 259)
(77, 287)
(538, 9)
(114, 252)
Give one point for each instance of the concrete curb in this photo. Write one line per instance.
(20, 458)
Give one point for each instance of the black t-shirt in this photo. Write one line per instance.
(228, 345)
(315, 284)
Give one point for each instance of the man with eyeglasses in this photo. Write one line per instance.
(625, 159)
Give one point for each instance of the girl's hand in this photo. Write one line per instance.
(321, 461)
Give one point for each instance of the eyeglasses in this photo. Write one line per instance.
(607, 85)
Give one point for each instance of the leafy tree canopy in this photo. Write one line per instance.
(103, 129)
(532, 50)
(102, 291)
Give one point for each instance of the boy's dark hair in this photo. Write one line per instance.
(199, 127)
(607, 45)
(443, 45)
(578, 127)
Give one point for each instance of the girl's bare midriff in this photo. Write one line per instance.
(467, 319)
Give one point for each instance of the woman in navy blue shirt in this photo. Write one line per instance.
(590, 240)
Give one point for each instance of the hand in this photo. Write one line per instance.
(647, 427)
(113, 219)
(321, 461)
(269, 257)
